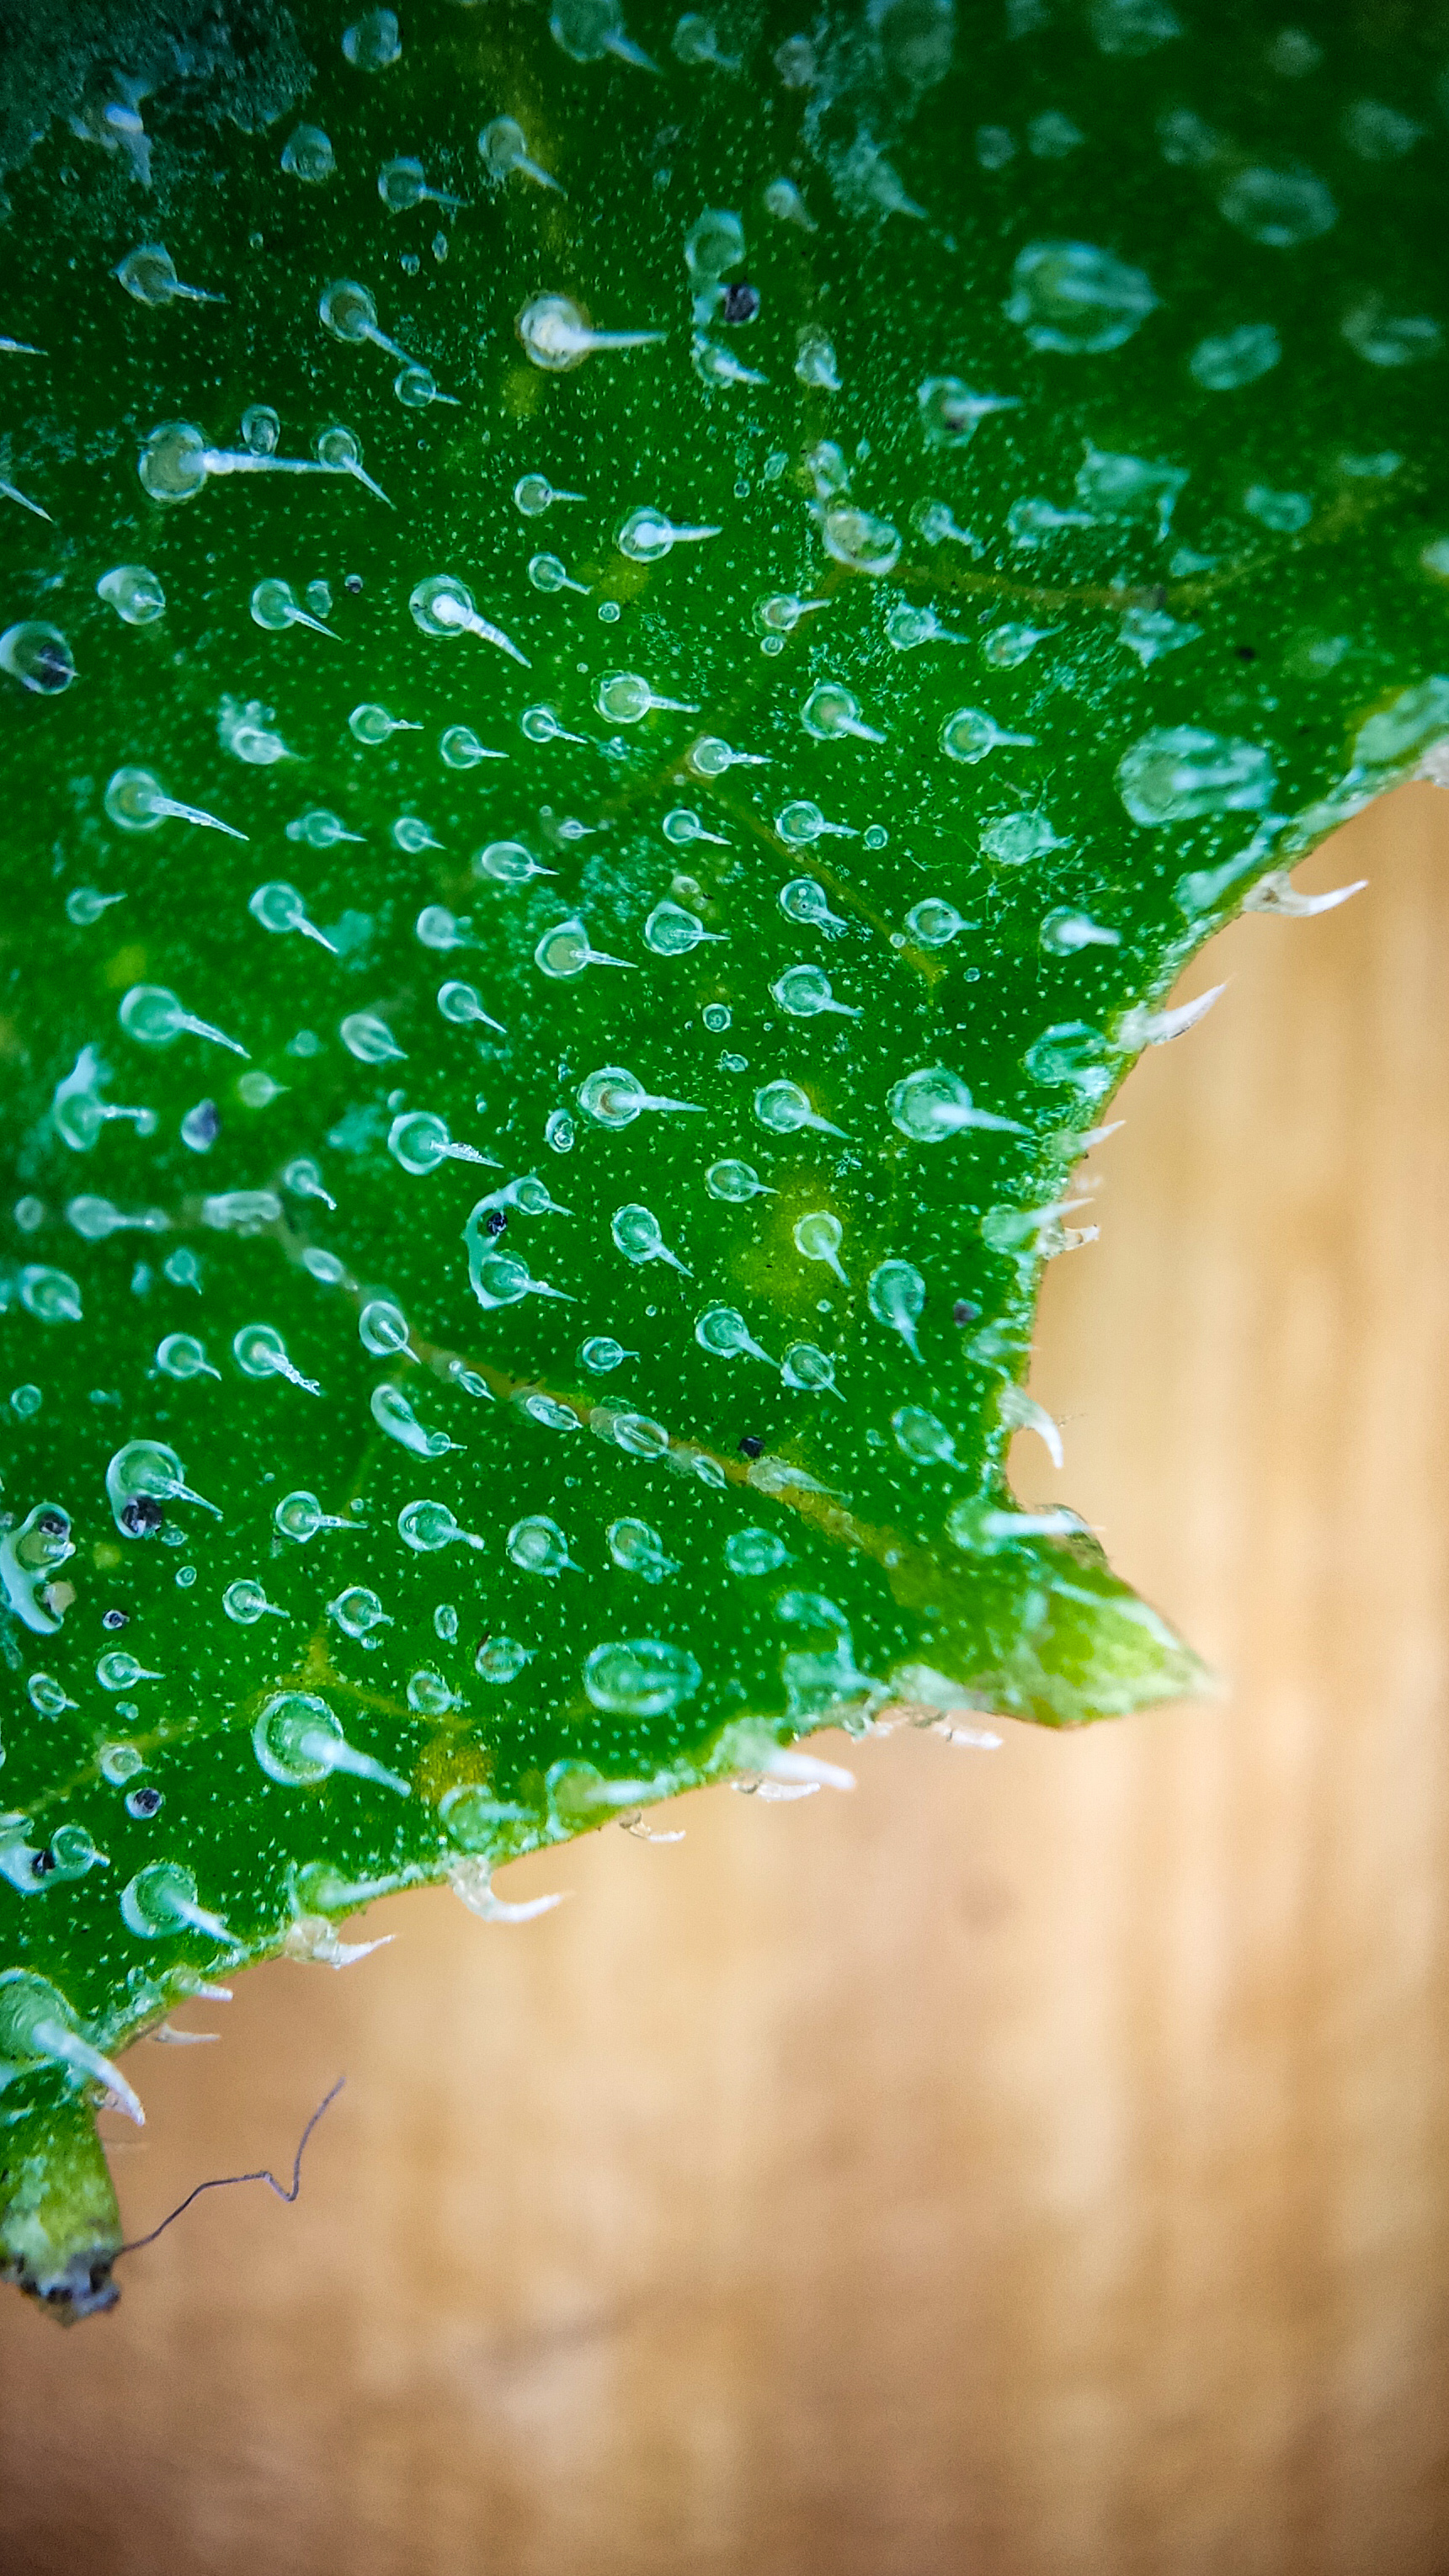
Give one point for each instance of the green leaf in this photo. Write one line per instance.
(524, 1209)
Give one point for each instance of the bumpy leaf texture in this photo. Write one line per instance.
(634, 652)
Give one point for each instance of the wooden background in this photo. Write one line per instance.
(1036, 2163)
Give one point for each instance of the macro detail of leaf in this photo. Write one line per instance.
(634, 653)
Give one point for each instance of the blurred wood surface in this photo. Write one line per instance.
(1036, 2163)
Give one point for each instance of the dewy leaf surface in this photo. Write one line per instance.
(523, 1212)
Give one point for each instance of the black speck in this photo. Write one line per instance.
(114, 1618)
(143, 1802)
(750, 1447)
(963, 1312)
(42, 1864)
(142, 1516)
(353, 584)
(495, 1221)
(1246, 652)
(741, 303)
(53, 1524)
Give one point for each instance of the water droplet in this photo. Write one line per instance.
(428, 1526)
(805, 992)
(299, 1516)
(799, 824)
(564, 952)
(538, 1546)
(625, 698)
(85, 907)
(275, 607)
(393, 1414)
(370, 1039)
(861, 542)
(557, 337)
(373, 725)
(1278, 207)
(640, 1676)
(135, 802)
(299, 1742)
(246, 1603)
(710, 758)
(896, 1294)
(304, 1180)
(1150, 632)
(636, 1233)
(259, 1351)
(780, 613)
(671, 931)
(507, 863)
(646, 536)
(932, 1104)
(358, 1611)
(1074, 297)
(1064, 932)
(784, 1108)
(832, 713)
(148, 273)
(161, 1901)
(614, 1097)
(1015, 838)
(951, 413)
(134, 593)
(419, 1141)
(459, 1003)
(180, 1355)
(307, 155)
(79, 1113)
(809, 1370)
(445, 608)
(724, 1333)
(784, 201)
(933, 923)
(279, 907)
(142, 1476)
(1179, 773)
(919, 1436)
(1229, 359)
(50, 1295)
(500, 1660)
(818, 1237)
(1284, 512)
(372, 42)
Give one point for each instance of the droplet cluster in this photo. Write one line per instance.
(655, 724)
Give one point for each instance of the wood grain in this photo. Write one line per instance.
(1033, 2163)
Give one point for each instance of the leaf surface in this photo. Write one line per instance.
(524, 1209)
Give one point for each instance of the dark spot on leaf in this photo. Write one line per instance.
(143, 1802)
(750, 1447)
(114, 1618)
(963, 1312)
(741, 303)
(142, 1516)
